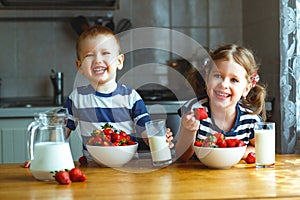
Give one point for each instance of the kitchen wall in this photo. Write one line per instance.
(30, 49)
(261, 31)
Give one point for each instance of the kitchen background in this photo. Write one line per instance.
(31, 48)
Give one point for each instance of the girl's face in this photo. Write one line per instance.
(226, 83)
(99, 59)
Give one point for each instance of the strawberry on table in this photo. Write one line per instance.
(62, 177)
(200, 113)
(76, 175)
(82, 160)
(250, 158)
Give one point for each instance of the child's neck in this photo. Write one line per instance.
(106, 88)
(225, 120)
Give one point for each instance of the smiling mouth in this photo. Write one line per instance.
(99, 70)
(223, 94)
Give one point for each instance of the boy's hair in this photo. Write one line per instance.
(94, 31)
(244, 57)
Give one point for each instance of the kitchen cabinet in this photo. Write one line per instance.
(13, 140)
(75, 145)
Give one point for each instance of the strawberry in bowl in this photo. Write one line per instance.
(218, 152)
(111, 147)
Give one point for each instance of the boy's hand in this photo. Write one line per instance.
(170, 138)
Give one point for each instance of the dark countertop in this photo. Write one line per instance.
(27, 106)
(24, 106)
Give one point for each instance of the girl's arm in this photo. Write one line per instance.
(187, 134)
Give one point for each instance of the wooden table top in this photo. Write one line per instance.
(189, 180)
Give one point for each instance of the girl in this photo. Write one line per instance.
(234, 100)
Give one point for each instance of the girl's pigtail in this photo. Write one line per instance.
(256, 100)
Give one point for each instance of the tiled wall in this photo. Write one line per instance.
(30, 49)
(261, 33)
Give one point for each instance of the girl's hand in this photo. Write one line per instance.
(189, 122)
(170, 138)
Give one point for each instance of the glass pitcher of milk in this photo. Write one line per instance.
(48, 146)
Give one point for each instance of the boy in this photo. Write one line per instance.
(104, 100)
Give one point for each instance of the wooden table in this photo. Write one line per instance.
(189, 180)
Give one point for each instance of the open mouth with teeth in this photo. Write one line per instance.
(99, 70)
(223, 94)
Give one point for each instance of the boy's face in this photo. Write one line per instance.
(99, 59)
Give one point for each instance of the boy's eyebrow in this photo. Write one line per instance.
(215, 70)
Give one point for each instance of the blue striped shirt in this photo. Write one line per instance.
(88, 110)
(243, 128)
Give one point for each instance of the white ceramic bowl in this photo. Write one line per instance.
(219, 158)
(112, 156)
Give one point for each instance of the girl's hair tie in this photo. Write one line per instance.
(255, 78)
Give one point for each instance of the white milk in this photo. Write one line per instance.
(50, 156)
(160, 150)
(265, 147)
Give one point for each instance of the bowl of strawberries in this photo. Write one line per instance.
(111, 147)
(218, 152)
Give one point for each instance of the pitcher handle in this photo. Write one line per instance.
(30, 142)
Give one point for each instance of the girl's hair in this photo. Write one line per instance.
(94, 31)
(255, 100)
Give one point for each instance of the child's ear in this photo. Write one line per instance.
(78, 64)
(247, 90)
(120, 61)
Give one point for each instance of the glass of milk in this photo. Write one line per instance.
(159, 147)
(265, 144)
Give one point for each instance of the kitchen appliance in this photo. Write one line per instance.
(60, 4)
(58, 87)
(82, 23)
(48, 147)
(161, 103)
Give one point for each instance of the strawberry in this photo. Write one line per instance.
(200, 113)
(219, 136)
(108, 137)
(62, 177)
(123, 134)
(250, 158)
(76, 175)
(240, 143)
(106, 143)
(198, 143)
(221, 143)
(107, 129)
(115, 144)
(96, 132)
(130, 142)
(82, 160)
(232, 142)
(116, 138)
